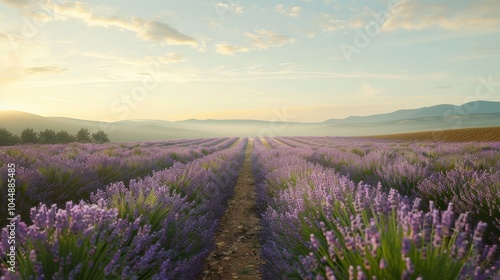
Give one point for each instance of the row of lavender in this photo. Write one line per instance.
(158, 227)
(58, 173)
(465, 174)
(320, 224)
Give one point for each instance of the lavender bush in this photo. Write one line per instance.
(58, 173)
(318, 224)
(161, 226)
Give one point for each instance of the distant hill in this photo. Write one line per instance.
(471, 108)
(122, 131)
(444, 116)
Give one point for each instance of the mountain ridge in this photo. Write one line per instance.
(431, 111)
(442, 116)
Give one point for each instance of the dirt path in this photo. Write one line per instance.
(264, 142)
(282, 143)
(237, 255)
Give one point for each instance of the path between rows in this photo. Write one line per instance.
(281, 143)
(264, 142)
(237, 255)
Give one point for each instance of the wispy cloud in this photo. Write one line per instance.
(480, 16)
(292, 11)
(422, 39)
(368, 90)
(60, 100)
(479, 54)
(44, 70)
(169, 58)
(230, 7)
(288, 74)
(477, 16)
(391, 76)
(287, 71)
(147, 30)
(227, 49)
(65, 41)
(18, 3)
(261, 39)
(264, 39)
(330, 23)
(443, 87)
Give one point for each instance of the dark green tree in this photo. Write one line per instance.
(64, 137)
(100, 137)
(7, 138)
(48, 136)
(28, 135)
(83, 135)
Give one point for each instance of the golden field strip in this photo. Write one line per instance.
(483, 134)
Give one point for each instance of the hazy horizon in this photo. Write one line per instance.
(311, 60)
(284, 113)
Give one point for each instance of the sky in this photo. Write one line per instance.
(236, 59)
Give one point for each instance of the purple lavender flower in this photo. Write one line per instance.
(330, 275)
(361, 274)
(382, 264)
(478, 234)
(314, 242)
(405, 248)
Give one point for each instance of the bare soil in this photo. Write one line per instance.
(237, 255)
(264, 142)
(483, 134)
(281, 143)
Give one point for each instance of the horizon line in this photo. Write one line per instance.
(236, 119)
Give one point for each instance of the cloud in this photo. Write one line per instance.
(227, 49)
(169, 58)
(443, 87)
(147, 30)
(60, 100)
(445, 14)
(44, 70)
(226, 7)
(239, 10)
(3, 37)
(264, 39)
(478, 16)
(487, 53)
(288, 73)
(17, 54)
(293, 11)
(65, 41)
(160, 32)
(368, 90)
(330, 23)
(18, 3)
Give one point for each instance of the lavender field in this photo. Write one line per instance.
(340, 208)
(330, 208)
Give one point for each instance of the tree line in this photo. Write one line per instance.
(49, 136)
